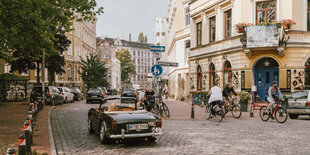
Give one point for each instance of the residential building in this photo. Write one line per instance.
(142, 58)
(107, 52)
(253, 59)
(178, 45)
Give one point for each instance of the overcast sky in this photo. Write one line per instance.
(122, 17)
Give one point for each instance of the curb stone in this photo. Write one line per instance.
(50, 133)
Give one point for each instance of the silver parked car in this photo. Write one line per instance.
(299, 104)
(67, 94)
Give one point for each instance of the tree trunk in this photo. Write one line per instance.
(51, 77)
(38, 72)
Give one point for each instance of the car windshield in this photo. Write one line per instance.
(60, 89)
(38, 90)
(299, 95)
(94, 91)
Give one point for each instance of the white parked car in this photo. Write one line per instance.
(299, 104)
(67, 94)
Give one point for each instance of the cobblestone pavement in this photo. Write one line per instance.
(232, 136)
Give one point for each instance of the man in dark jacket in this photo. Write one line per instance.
(227, 92)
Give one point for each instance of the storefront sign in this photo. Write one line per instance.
(262, 36)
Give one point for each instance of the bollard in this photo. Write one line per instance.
(193, 112)
(22, 145)
(30, 121)
(10, 151)
(28, 136)
(252, 110)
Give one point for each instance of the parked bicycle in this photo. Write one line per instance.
(219, 111)
(278, 112)
(160, 107)
(234, 108)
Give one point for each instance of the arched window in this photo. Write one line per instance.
(307, 74)
(199, 78)
(69, 72)
(211, 75)
(227, 73)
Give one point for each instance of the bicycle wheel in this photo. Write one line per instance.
(166, 110)
(236, 111)
(264, 113)
(219, 114)
(281, 115)
(208, 112)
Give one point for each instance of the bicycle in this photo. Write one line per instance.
(278, 112)
(219, 111)
(201, 101)
(234, 108)
(160, 107)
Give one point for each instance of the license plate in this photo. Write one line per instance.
(94, 96)
(296, 104)
(137, 126)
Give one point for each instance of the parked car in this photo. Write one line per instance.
(95, 95)
(129, 93)
(125, 122)
(299, 104)
(78, 95)
(52, 95)
(67, 94)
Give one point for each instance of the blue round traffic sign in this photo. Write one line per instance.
(156, 70)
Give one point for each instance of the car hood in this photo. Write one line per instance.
(131, 117)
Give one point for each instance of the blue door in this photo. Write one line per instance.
(263, 79)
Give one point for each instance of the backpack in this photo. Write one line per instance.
(271, 90)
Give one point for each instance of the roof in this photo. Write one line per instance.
(136, 44)
(11, 77)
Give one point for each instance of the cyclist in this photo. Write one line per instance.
(227, 92)
(216, 96)
(273, 93)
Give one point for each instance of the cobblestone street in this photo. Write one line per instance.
(232, 136)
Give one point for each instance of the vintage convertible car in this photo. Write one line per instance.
(126, 122)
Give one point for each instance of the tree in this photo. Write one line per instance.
(141, 37)
(94, 72)
(24, 38)
(127, 64)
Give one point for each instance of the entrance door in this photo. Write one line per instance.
(264, 79)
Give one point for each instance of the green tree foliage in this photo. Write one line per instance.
(28, 26)
(127, 64)
(94, 72)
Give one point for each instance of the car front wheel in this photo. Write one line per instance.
(102, 134)
(90, 124)
(293, 116)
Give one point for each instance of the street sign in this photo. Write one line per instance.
(156, 70)
(157, 48)
(169, 64)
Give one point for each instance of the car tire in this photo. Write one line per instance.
(89, 126)
(66, 101)
(53, 102)
(103, 134)
(293, 116)
(151, 139)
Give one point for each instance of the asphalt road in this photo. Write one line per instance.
(232, 136)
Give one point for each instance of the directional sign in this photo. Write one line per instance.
(157, 48)
(169, 64)
(156, 70)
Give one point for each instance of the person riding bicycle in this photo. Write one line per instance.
(274, 93)
(216, 96)
(227, 92)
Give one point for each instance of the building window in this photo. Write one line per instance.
(163, 33)
(211, 75)
(157, 33)
(266, 11)
(308, 15)
(307, 73)
(199, 78)
(69, 72)
(199, 34)
(134, 53)
(186, 51)
(227, 73)
(227, 21)
(187, 16)
(212, 29)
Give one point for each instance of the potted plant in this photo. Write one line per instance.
(240, 27)
(287, 23)
(244, 100)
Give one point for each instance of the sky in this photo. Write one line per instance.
(122, 17)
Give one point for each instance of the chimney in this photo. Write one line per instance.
(129, 36)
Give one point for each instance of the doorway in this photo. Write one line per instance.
(266, 71)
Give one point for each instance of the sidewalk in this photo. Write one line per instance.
(12, 118)
(181, 110)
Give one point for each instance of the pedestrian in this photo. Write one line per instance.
(165, 92)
